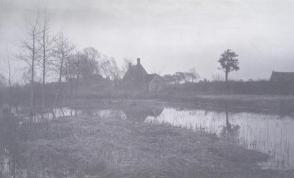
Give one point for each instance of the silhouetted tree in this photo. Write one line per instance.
(109, 69)
(82, 65)
(9, 69)
(88, 65)
(169, 79)
(179, 77)
(30, 55)
(229, 62)
(62, 51)
(193, 74)
(125, 67)
(46, 47)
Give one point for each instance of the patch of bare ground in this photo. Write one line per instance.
(112, 147)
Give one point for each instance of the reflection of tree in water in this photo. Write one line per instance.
(140, 113)
(229, 130)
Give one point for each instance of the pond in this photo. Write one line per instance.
(270, 134)
(266, 133)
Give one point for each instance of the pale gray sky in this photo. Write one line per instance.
(169, 35)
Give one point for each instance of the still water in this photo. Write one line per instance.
(270, 134)
(267, 133)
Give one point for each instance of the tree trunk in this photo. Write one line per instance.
(44, 70)
(9, 81)
(60, 93)
(44, 45)
(227, 76)
(32, 76)
(61, 69)
(227, 83)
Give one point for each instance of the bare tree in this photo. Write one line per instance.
(88, 63)
(9, 78)
(125, 67)
(8, 68)
(109, 69)
(169, 79)
(30, 55)
(62, 52)
(46, 47)
(193, 74)
(179, 77)
(72, 72)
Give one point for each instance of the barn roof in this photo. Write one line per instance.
(282, 76)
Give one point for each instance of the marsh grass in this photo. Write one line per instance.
(93, 146)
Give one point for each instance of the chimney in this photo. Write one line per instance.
(138, 61)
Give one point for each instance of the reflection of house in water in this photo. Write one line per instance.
(139, 113)
(137, 78)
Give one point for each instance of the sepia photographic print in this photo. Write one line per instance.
(146, 89)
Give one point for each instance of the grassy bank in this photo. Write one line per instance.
(94, 146)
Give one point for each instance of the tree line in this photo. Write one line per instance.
(50, 56)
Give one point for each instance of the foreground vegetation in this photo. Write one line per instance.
(89, 145)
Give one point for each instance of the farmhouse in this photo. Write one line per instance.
(282, 77)
(137, 78)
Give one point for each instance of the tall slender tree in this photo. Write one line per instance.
(62, 52)
(30, 55)
(46, 48)
(8, 68)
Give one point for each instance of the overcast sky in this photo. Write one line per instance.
(169, 35)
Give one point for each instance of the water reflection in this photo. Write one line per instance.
(139, 114)
(269, 134)
(229, 130)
